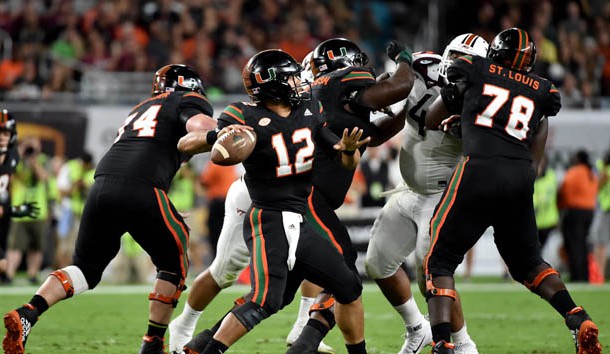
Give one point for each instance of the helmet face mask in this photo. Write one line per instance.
(513, 48)
(336, 53)
(177, 77)
(464, 44)
(273, 75)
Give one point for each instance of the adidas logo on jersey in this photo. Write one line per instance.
(308, 112)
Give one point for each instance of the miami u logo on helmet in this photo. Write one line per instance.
(331, 54)
(259, 78)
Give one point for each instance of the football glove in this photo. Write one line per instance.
(29, 209)
(399, 52)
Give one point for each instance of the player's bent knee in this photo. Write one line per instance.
(250, 314)
(171, 299)
(72, 280)
(348, 294)
(225, 274)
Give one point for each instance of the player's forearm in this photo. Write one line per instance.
(394, 89)
(195, 142)
(538, 143)
(436, 113)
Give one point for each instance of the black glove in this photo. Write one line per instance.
(30, 209)
(399, 52)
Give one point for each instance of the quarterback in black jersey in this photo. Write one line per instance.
(9, 158)
(349, 92)
(285, 248)
(503, 109)
(130, 195)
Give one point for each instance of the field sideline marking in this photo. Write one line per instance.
(243, 289)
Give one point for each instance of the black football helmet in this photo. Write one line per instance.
(177, 77)
(267, 77)
(8, 123)
(513, 48)
(336, 53)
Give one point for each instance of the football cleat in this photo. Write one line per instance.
(443, 347)
(199, 342)
(467, 347)
(584, 332)
(417, 338)
(178, 336)
(18, 324)
(294, 334)
(152, 345)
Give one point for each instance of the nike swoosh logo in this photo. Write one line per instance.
(420, 345)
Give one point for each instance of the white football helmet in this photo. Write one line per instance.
(464, 44)
(307, 74)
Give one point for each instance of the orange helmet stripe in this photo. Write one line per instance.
(470, 39)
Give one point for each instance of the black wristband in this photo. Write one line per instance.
(349, 153)
(211, 137)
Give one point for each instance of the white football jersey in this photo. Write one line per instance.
(427, 157)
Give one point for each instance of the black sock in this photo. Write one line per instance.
(562, 302)
(310, 337)
(358, 348)
(441, 331)
(214, 347)
(39, 303)
(156, 329)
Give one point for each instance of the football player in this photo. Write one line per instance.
(284, 246)
(349, 92)
(9, 158)
(503, 110)
(232, 257)
(426, 160)
(130, 195)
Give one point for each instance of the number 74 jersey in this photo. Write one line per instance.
(279, 170)
(501, 108)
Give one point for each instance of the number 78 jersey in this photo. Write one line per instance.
(502, 108)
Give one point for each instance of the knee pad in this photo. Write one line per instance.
(250, 314)
(78, 284)
(432, 290)
(175, 279)
(533, 286)
(325, 307)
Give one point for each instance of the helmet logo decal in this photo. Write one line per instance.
(259, 78)
(181, 80)
(331, 54)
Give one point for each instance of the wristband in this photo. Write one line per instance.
(211, 137)
(349, 153)
(404, 56)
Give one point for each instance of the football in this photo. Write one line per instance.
(233, 147)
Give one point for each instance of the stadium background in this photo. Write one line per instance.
(70, 71)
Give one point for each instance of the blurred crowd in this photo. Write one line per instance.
(47, 45)
(572, 38)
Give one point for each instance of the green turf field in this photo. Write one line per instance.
(502, 318)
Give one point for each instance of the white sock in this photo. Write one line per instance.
(189, 317)
(460, 336)
(303, 315)
(409, 312)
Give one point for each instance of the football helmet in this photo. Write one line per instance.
(8, 123)
(177, 77)
(513, 48)
(464, 44)
(336, 53)
(306, 74)
(273, 75)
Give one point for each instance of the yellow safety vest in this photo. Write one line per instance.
(545, 200)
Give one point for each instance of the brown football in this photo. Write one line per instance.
(233, 147)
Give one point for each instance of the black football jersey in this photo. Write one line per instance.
(335, 90)
(7, 169)
(145, 148)
(279, 170)
(501, 108)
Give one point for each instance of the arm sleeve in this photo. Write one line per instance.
(193, 104)
(352, 86)
(553, 102)
(233, 114)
